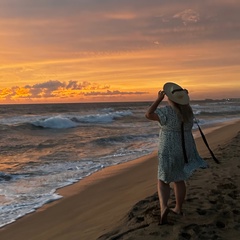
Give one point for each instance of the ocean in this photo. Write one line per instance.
(44, 147)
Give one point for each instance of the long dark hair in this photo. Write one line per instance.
(184, 112)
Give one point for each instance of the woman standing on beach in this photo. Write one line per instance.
(177, 154)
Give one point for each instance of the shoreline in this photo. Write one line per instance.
(69, 190)
(64, 192)
(110, 188)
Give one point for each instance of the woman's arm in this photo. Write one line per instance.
(150, 114)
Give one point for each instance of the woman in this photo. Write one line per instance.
(177, 153)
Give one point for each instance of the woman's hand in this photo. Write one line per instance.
(150, 114)
(161, 95)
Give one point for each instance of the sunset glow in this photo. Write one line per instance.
(87, 51)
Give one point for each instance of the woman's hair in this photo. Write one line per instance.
(184, 112)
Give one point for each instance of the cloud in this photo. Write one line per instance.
(50, 85)
(58, 89)
(72, 85)
(109, 41)
(44, 90)
(48, 89)
(116, 25)
(188, 16)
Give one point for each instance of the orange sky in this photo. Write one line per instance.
(84, 51)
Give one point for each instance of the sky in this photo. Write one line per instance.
(117, 50)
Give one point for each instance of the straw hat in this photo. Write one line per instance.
(176, 93)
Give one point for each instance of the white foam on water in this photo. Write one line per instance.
(57, 122)
(36, 186)
(65, 121)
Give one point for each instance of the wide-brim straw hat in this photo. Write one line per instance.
(176, 93)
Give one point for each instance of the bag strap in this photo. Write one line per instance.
(183, 144)
(206, 143)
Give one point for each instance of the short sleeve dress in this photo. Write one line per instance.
(171, 166)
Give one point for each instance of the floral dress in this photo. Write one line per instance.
(171, 165)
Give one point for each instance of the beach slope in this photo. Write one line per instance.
(211, 209)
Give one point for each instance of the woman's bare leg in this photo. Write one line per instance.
(180, 193)
(163, 194)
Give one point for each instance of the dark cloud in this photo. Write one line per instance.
(58, 89)
(75, 85)
(45, 89)
(95, 25)
(50, 85)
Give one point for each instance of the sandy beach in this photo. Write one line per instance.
(120, 202)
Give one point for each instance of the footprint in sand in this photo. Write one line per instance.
(195, 231)
(201, 211)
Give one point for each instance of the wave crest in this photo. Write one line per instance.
(5, 177)
(55, 123)
(59, 122)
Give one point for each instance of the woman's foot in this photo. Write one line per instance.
(176, 211)
(164, 215)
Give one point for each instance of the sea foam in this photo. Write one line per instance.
(55, 123)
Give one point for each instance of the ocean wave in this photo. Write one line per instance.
(59, 122)
(5, 177)
(64, 121)
(216, 112)
(103, 118)
(123, 139)
(55, 123)
(216, 109)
